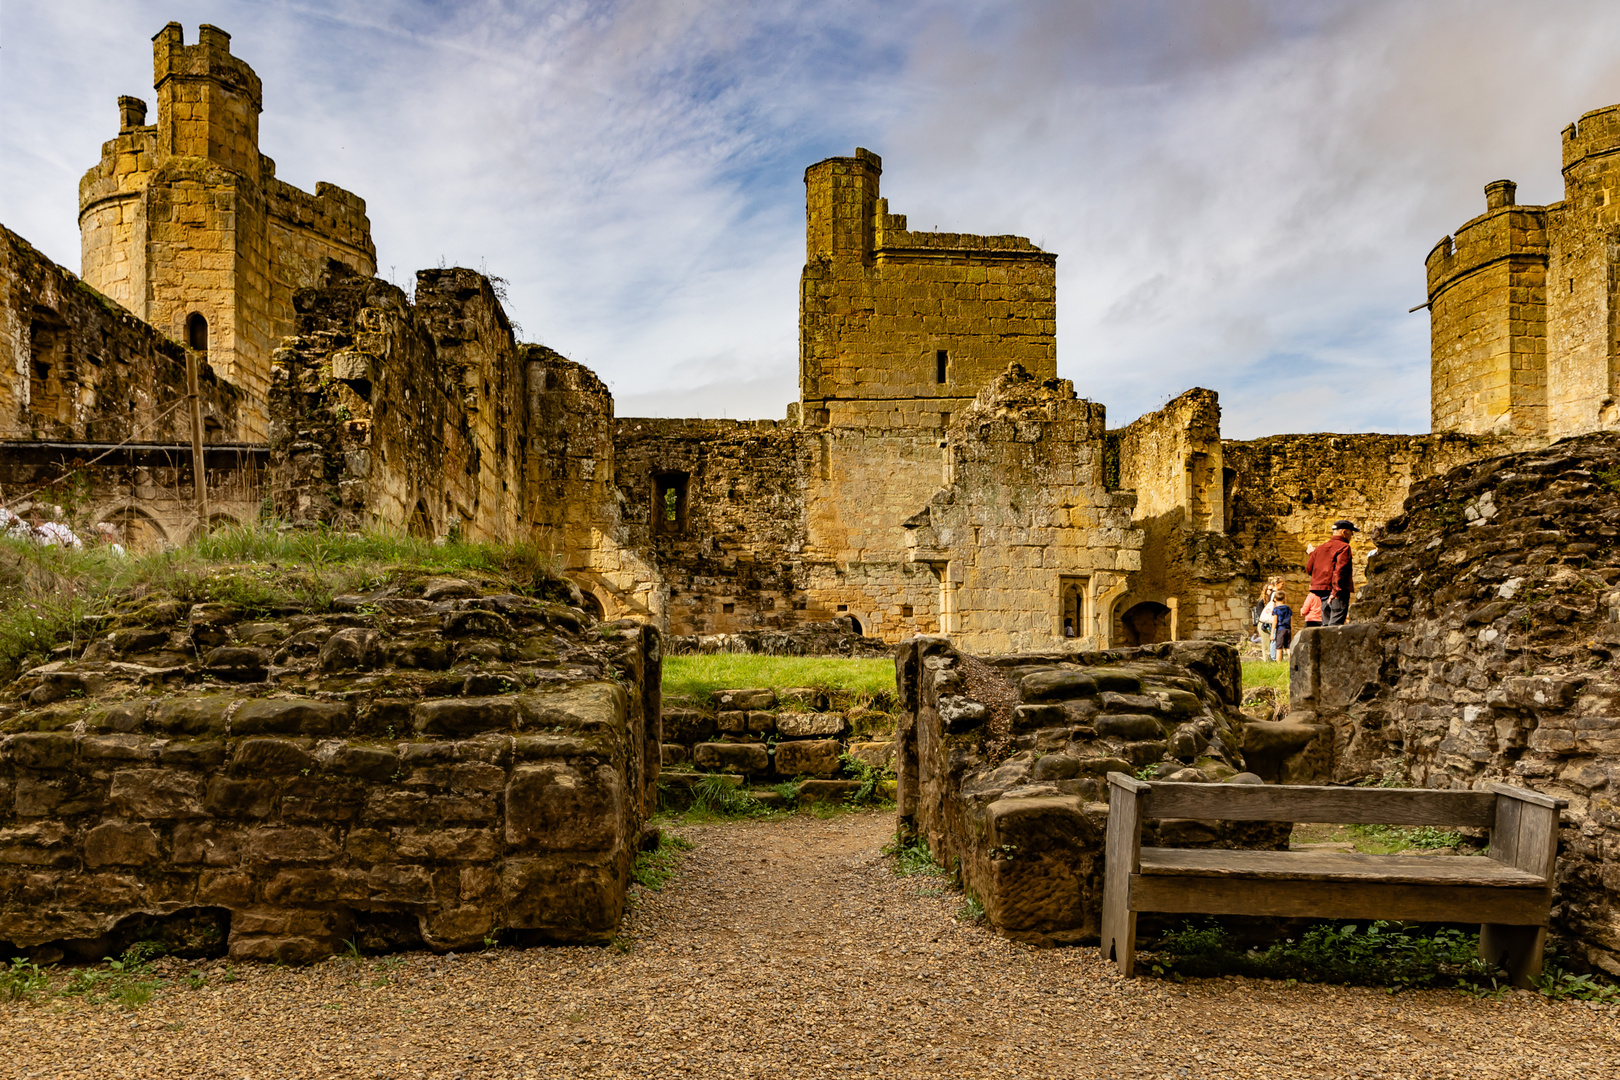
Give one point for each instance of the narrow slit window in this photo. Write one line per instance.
(942, 364)
(197, 331)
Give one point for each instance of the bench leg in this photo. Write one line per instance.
(1517, 948)
(1119, 937)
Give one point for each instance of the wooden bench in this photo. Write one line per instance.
(1508, 891)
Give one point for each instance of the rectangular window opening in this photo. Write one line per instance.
(669, 502)
(905, 611)
(728, 609)
(843, 607)
(942, 363)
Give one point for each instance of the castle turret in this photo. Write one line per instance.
(184, 223)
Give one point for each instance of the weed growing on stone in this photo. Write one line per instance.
(653, 869)
(869, 776)
(23, 980)
(1376, 954)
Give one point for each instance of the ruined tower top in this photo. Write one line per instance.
(208, 100)
(1595, 133)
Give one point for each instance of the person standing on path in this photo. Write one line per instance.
(1282, 626)
(1331, 575)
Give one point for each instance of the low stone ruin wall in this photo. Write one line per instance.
(837, 637)
(429, 764)
(1003, 762)
(764, 736)
(1485, 648)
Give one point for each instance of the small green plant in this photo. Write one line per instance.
(713, 797)
(196, 980)
(351, 948)
(652, 869)
(870, 777)
(493, 938)
(1560, 984)
(1609, 478)
(788, 790)
(1148, 772)
(230, 975)
(127, 981)
(23, 980)
(971, 910)
(1386, 954)
(912, 857)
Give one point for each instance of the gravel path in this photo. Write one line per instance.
(788, 949)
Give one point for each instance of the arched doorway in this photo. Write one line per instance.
(593, 606)
(135, 529)
(1146, 623)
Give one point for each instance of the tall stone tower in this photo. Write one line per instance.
(185, 224)
(1524, 319)
(899, 329)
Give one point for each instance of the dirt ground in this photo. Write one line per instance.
(788, 948)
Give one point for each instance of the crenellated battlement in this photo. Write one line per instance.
(1595, 133)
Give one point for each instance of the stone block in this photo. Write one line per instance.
(192, 715)
(745, 699)
(264, 756)
(467, 716)
(206, 842)
(290, 845)
(356, 647)
(732, 722)
(556, 807)
(120, 843)
(561, 899)
(291, 716)
(199, 756)
(42, 749)
(827, 791)
(878, 754)
(808, 757)
(365, 762)
(231, 798)
(95, 750)
(801, 725)
(688, 726)
(673, 754)
(1115, 702)
(157, 794)
(1056, 686)
(1129, 726)
(446, 845)
(44, 844)
(748, 759)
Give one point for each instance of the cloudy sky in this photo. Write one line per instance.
(1241, 194)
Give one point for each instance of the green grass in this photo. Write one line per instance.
(1379, 839)
(1272, 673)
(699, 676)
(47, 594)
(653, 869)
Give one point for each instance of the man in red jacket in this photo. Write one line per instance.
(1329, 567)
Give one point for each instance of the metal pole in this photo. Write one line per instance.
(199, 475)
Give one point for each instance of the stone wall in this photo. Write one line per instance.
(1485, 649)
(1003, 763)
(81, 378)
(427, 764)
(399, 415)
(899, 329)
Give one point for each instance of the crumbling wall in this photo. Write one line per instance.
(1485, 649)
(412, 416)
(1002, 766)
(427, 764)
(1024, 534)
(80, 378)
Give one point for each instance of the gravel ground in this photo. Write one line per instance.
(787, 948)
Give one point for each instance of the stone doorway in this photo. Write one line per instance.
(1146, 623)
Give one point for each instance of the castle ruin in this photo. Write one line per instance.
(934, 477)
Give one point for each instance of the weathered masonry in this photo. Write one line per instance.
(1523, 302)
(184, 223)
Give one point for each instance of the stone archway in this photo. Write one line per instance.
(1146, 623)
(138, 530)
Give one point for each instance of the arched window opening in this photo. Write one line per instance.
(1146, 623)
(593, 605)
(197, 332)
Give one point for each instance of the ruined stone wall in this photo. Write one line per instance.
(429, 764)
(899, 329)
(1003, 763)
(403, 416)
(1024, 534)
(185, 217)
(82, 376)
(1484, 648)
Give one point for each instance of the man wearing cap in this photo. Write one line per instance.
(1329, 567)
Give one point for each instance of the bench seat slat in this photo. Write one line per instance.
(1338, 805)
(1339, 900)
(1337, 866)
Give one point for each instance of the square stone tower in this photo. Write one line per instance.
(899, 329)
(185, 224)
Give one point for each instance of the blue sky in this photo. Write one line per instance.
(1241, 194)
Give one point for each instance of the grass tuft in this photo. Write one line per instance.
(653, 869)
(700, 676)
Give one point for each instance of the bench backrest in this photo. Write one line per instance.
(1523, 823)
